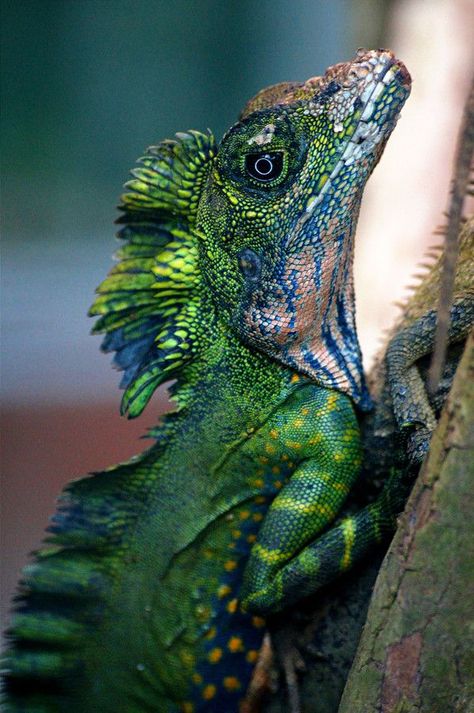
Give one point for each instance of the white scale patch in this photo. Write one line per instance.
(263, 137)
(368, 133)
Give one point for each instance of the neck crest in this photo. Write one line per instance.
(147, 304)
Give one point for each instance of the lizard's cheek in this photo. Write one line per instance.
(285, 311)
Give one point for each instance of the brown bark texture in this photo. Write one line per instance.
(416, 654)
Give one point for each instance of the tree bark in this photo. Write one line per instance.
(416, 653)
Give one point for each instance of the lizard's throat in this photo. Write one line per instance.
(306, 318)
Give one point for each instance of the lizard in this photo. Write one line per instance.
(234, 279)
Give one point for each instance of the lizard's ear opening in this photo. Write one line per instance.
(147, 304)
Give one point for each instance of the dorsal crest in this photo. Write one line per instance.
(146, 305)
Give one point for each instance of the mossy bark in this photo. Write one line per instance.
(417, 649)
(416, 653)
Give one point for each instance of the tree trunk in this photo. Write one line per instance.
(417, 649)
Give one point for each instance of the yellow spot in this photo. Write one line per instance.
(235, 644)
(263, 460)
(252, 656)
(260, 471)
(236, 534)
(258, 517)
(274, 434)
(251, 538)
(209, 692)
(278, 484)
(296, 445)
(230, 565)
(231, 683)
(270, 556)
(197, 678)
(314, 440)
(260, 499)
(275, 470)
(215, 655)
(258, 483)
(232, 606)
(187, 658)
(244, 514)
(223, 591)
(348, 531)
(187, 707)
(211, 633)
(298, 506)
(208, 554)
(322, 181)
(304, 411)
(232, 199)
(339, 456)
(284, 457)
(294, 379)
(270, 448)
(258, 622)
(251, 214)
(342, 487)
(298, 422)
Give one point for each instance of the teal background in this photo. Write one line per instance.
(86, 86)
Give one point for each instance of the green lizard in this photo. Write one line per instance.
(235, 279)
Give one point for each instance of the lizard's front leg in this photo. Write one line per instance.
(322, 438)
(294, 555)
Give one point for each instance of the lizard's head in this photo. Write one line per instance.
(264, 222)
(278, 212)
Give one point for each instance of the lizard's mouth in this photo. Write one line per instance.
(371, 91)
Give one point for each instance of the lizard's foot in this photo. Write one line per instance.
(418, 443)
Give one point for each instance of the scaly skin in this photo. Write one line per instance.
(235, 279)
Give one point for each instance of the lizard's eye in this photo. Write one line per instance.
(264, 167)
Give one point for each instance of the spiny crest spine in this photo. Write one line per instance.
(169, 176)
(147, 304)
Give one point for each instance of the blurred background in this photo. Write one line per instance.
(86, 86)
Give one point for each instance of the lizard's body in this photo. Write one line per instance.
(199, 564)
(151, 595)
